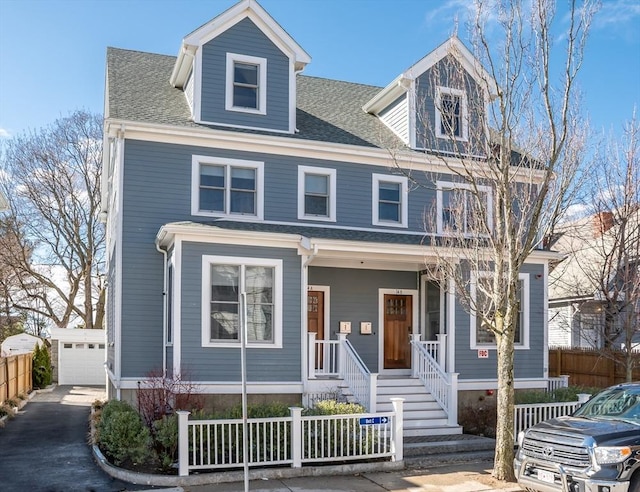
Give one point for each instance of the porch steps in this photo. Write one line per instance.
(447, 449)
(422, 414)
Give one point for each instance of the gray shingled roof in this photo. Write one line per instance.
(327, 110)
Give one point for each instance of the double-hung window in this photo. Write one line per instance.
(481, 334)
(463, 209)
(451, 113)
(316, 193)
(226, 187)
(246, 84)
(390, 200)
(224, 281)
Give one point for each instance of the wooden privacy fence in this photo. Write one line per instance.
(15, 376)
(589, 367)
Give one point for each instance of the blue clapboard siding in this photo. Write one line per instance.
(223, 364)
(159, 177)
(244, 38)
(528, 363)
(354, 297)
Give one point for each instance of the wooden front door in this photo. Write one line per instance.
(315, 320)
(398, 316)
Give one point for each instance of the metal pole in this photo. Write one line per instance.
(243, 363)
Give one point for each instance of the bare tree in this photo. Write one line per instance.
(51, 180)
(602, 268)
(510, 140)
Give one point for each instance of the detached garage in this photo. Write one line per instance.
(78, 356)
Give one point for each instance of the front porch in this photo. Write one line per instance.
(430, 392)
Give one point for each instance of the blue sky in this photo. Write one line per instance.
(52, 52)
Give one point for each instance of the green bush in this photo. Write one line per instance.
(333, 407)
(165, 435)
(121, 434)
(559, 395)
(42, 373)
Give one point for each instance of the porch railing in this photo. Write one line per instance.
(323, 357)
(356, 376)
(443, 386)
(290, 441)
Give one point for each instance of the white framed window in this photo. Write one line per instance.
(451, 114)
(316, 193)
(481, 335)
(456, 210)
(224, 279)
(246, 84)
(390, 200)
(226, 187)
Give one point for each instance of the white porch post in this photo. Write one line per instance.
(341, 354)
(311, 356)
(415, 339)
(453, 400)
(373, 391)
(183, 442)
(397, 443)
(442, 350)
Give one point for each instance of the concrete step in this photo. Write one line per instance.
(447, 448)
(418, 406)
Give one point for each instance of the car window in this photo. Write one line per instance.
(622, 403)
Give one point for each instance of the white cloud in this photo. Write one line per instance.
(4, 133)
(616, 12)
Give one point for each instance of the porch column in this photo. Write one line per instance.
(415, 355)
(311, 356)
(397, 443)
(183, 443)
(442, 348)
(342, 337)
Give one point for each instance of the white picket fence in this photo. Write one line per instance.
(294, 440)
(528, 415)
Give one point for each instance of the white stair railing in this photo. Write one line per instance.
(352, 370)
(443, 386)
(322, 357)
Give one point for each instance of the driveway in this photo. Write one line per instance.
(44, 448)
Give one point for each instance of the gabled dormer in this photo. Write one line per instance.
(238, 70)
(439, 104)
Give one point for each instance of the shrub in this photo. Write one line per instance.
(479, 418)
(121, 434)
(333, 407)
(42, 371)
(166, 439)
(559, 395)
(6, 411)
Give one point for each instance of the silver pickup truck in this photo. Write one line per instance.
(597, 449)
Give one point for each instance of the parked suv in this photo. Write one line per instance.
(597, 449)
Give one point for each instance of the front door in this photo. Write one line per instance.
(315, 321)
(398, 316)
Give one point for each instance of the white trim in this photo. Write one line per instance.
(404, 199)
(197, 86)
(464, 115)
(545, 321)
(198, 160)
(451, 326)
(331, 204)
(451, 186)
(484, 384)
(261, 63)
(117, 322)
(277, 328)
(233, 388)
(415, 312)
(526, 302)
(424, 279)
(284, 145)
(177, 313)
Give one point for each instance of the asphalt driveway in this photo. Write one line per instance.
(44, 448)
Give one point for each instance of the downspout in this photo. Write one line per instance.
(164, 308)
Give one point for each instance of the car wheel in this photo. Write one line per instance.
(634, 485)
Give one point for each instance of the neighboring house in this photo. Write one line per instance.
(227, 171)
(577, 305)
(22, 343)
(78, 356)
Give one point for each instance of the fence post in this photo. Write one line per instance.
(397, 443)
(373, 391)
(296, 436)
(183, 442)
(565, 380)
(583, 398)
(311, 356)
(452, 411)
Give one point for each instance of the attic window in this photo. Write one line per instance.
(246, 84)
(451, 113)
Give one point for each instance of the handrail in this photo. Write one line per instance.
(356, 375)
(443, 386)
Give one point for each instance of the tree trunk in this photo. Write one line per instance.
(504, 454)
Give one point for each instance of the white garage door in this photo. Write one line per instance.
(81, 363)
